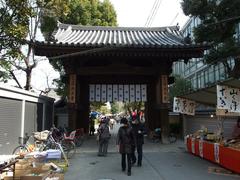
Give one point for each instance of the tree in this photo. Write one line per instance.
(13, 30)
(21, 23)
(219, 21)
(80, 12)
(180, 87)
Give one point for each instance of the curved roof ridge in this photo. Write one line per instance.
(112, 28)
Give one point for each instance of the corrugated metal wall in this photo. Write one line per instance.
(194, 123)
(10, 128)
(30, 124)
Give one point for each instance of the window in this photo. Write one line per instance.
(211, 75)
(217, 75)
(222, 72)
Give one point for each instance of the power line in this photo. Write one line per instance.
(150, 14)
(153, 13)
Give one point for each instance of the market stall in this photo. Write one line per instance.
(227, 157)
(214, 146)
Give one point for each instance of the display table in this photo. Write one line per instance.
(214, 152)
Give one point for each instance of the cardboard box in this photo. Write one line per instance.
(21, 172)
(11, 178)
(60, 176)
(31, 176)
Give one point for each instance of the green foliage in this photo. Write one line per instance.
(180, 87)
(219, 21)
(116, 107)
(19, 22)
(78, 12)
(13, 31)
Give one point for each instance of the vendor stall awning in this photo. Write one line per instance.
(209, 95)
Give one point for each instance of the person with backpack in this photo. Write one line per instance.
(104, 136)
(124, 144)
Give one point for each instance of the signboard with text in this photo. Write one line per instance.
(164, 80)
(72, 88)
(184, 106)
(228, 98)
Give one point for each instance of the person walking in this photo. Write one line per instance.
(104, 136)
(138, 132)
(124, 144)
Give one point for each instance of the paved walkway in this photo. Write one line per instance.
(160, 162)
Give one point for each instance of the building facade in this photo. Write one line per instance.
(22, 112)
(202, 76)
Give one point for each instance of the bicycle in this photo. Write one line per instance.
(67, 142)
(79, 137)
(39, 141)
(155, 136)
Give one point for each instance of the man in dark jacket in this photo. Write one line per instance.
(124, 143)
(138, 132)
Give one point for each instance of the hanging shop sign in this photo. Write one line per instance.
(72, 88)
(164, 80)
(225, 112)
(118, 92)
(184, 106)
(228, 98)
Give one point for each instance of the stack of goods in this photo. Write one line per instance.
(53, 154)
(233, 143)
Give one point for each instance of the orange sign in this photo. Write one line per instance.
(164, 80)
(72, 88)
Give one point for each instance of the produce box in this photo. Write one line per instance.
(31, 176)
(11, 178)
(36, 174)
(55, 176)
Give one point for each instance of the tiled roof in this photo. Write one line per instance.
(99, 36)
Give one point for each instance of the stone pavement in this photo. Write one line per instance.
(160, 162)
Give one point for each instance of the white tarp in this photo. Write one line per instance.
(184, 106)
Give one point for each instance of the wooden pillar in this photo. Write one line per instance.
(72, 106)
(82, 120)
(162, 106)
(150, 113)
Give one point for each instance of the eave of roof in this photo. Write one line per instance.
(80, 38)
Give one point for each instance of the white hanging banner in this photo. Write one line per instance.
(91, 92)
(98, 92)
(193, 145)
(228, 98)
(216, 152)
(184, 106)
(126, 93)
(138, 93)
(201, 148)
(104, 93)
(109, 93)
(115, 92)
(120, 92)
(132, 93)
(144, 92)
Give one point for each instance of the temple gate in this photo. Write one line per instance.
(135, 62)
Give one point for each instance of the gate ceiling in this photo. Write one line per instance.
(118, 92)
